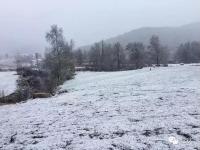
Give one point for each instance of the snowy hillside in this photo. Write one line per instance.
(129, 110)
(8, 82)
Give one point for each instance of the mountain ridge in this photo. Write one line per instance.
(171, 37)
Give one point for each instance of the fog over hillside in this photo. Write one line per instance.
(171, 37)
(24, 23)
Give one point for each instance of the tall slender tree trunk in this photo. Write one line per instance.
(118, 59)
(157, 60)
(102, 56)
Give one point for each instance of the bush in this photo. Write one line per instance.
(33, 81)
(12, 98)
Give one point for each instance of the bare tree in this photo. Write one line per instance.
(58, 61)
(37, 57)
(94, 56)
(136, 54)
(188, 52)
(102, 55)
(118, 51)
(79, 57)
(155, 49)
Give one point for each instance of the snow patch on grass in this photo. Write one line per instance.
(8, 82)
(128, 110)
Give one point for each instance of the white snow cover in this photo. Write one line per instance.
(7, 63)
(129, 110)
(8, 82)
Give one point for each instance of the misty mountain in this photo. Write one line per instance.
(171, 37)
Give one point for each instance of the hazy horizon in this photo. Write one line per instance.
(24, 23)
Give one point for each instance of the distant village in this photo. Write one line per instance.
(12, 62)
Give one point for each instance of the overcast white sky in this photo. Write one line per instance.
(23, 23)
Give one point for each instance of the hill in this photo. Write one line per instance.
(171, 37)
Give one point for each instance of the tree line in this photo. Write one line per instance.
(60, 59)
(112, 57)
(103, 56)
(188, 53)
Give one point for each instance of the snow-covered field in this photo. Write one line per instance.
(7, 63)
(130, 110)
(8, 82)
